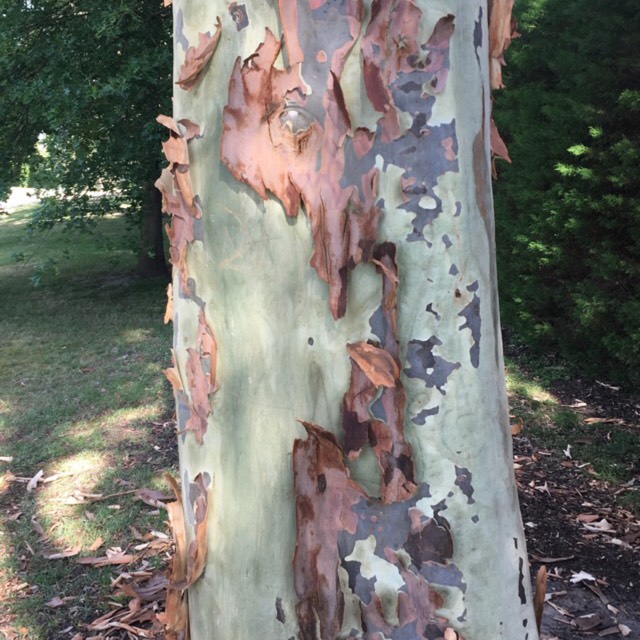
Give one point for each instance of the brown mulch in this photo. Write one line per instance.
(576, 527)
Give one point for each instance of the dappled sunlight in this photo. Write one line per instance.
(13, 221)
(81, 471)
(65, 483)
(134, 336)
(518, 383)
(5, 409)
(114, 427)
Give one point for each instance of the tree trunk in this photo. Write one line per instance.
(345, 451)
(151, 258)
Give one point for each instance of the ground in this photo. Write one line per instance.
(83, 545)
(576, 459)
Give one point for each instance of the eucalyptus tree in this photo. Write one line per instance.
(344, 440)
(90, 76)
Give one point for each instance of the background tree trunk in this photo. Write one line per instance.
(386, 346)
(151, 258)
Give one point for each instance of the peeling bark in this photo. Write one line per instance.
(333, 515)
(280, 138)
(177, 193)
(197, 58)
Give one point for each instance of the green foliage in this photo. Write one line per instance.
(89, 78)
(568, 209)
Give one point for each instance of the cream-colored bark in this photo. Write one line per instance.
(281, 356)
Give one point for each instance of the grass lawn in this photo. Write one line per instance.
(82, 395)
(588, 421)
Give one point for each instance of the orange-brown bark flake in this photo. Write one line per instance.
(279, 138)
(178, 198)
(197, 58)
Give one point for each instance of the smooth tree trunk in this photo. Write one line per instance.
(345, 451)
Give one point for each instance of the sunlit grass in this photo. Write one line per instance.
(612, 452)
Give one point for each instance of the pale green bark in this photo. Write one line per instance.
(266, 305)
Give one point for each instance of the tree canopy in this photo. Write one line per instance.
(568, 208)
(90, 76)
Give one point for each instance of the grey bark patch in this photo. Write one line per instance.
(474, 286)
(280, 615)
(522, 594)
(180, 37)
(425, 365)
(421, 418)
(377, 409)
(419, 151)
(475, 519)
(429, 309)
(439, 507)
(448, 575)
(453, 270)
(198, 233)
(463, 480)
(447, 242)
(326, 29)
(359, 585)
(310, 342)
(191, 293)
(473, 322)
(378, 325)
(239, 15)
(176, 329)
(477, 35)
(183, 413)
(389, 524)
(188, 506)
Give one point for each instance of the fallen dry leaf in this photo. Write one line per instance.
(33, 483)
(588, 622)
(580, 576)
(55, 602)
(603, 421)
(624, 630)
(67, 553)
(97, 543)
(587, 517)
(549, 560)
(105, 561)
(601, 525)
(38, 528)
(516, 427)
(151, 497)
